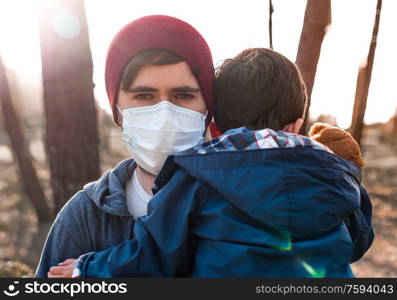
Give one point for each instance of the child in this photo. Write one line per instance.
(253, 202)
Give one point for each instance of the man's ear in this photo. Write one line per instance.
(119, 119)
(294, 127)
(119, 116)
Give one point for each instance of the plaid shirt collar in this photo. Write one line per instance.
(241, 139)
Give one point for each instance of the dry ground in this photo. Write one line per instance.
(380, 178)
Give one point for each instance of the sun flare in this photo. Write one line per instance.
(19, 43)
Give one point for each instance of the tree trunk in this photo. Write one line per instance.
(271, 10)
(363, 82)
(69, 104)
(20, 149)
(315, 25)
(394, 130)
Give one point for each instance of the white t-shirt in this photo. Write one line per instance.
(137, 197)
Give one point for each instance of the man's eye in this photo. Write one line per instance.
(143, 97)
(184, 96)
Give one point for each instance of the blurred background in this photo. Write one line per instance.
(56, 131)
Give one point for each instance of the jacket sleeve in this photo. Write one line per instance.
(359, 225)
(63, 240)
(162, 245)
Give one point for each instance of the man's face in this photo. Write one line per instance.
(174, 83)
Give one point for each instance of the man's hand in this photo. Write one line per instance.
(63, 270)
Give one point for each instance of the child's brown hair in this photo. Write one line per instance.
(259, 88)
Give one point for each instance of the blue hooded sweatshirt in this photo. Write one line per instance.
(94, 219)
(282, 212)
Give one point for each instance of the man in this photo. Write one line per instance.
(164, 64)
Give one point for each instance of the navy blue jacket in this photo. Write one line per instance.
(289, 212)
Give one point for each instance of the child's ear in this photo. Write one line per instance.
(294, 127)
(214, 130)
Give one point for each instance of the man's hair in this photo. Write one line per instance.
(152, 57)
(259, 88)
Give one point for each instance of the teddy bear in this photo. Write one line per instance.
(338, 140)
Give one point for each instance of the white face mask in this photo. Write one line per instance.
(152, 133)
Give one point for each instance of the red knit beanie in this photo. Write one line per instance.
(160, 32)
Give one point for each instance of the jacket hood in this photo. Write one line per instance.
(108, 191)
(302, 192)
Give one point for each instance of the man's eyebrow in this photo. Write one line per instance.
(186, 88)
(141, 89)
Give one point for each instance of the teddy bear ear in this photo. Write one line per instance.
(360, 160)
(316, 127)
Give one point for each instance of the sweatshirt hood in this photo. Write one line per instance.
(108, 192)
(302, 191)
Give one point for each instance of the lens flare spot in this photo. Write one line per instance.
(283, 241)
(66, 24)
(314, 273)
